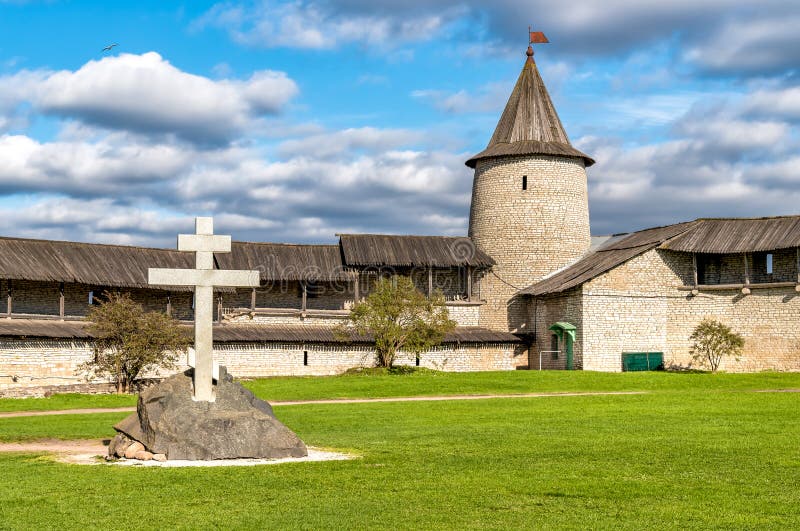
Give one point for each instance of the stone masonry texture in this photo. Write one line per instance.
(530, 233)
(637, 307)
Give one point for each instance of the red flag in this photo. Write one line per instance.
(537, 37)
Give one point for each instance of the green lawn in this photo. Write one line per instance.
(697, 451)
(433, 383)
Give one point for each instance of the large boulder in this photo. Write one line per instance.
(236, 425)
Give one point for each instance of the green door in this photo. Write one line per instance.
(642, 361)
(568, 350)
(566, 333)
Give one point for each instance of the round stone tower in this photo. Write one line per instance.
(530, 209)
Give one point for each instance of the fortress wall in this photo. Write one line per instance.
(47, 366)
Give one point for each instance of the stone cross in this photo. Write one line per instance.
(204, 278)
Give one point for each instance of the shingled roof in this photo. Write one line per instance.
(714, 236)
(126, 266)
(84, 263)
(281, 261)
(385, 250)
(529, 124)
(738, 235)
(226, 333)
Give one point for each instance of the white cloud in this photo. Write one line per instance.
(783, 102)
(758, 34)
(766, 44)
(347, 141)
(320, 25)
(146, 94)
(491, 97)
(116, 163)
(116, 187)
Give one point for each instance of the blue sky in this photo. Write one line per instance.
(292, 121)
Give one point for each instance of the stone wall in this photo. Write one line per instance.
(637, 307)
(545, 311)
(288, 317)
(625, 310)
(40, 364)
(465, 313)
(530, 233)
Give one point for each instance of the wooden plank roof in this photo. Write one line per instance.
(126, 266)
(738, 235)
(379, 250)
(529, 124)
(84, 263)
(279, 261)
(226, 333)
(713, 236)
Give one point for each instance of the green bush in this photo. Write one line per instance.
(712, 341)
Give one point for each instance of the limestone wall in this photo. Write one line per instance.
(767, 318)
(465, 314)
(530, 233)
(39, 363)
(637, 307)
(288, 317)
(545, 311)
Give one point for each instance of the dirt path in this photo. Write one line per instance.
(65, 412)
(446, 397)
(74, 447)
(334, 401)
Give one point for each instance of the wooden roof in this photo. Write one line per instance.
(225, 333)
(126, 266)
(43, 329)
(713, 236)
(529, 124)
(84, 263)
(379, 250)
(738, 235)
(279, 261)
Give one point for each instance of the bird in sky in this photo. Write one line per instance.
(108, 48)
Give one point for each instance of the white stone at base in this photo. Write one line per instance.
(314, 455)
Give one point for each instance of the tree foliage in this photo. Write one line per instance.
(129, 340)
(399, 317)
(712, 341)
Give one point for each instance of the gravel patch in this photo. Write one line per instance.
(314, 455)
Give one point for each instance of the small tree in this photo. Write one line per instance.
(399, 317)
(712, 341)
(129, 340)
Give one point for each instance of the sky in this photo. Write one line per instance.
(294, 121)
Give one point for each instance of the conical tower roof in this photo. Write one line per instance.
(529, 124)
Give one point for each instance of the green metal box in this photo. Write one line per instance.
(642, 361)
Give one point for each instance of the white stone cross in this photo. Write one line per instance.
(203, 278)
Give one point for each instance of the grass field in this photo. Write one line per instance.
(435, 383)
(696, 451)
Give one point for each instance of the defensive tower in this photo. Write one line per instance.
(530, 209)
